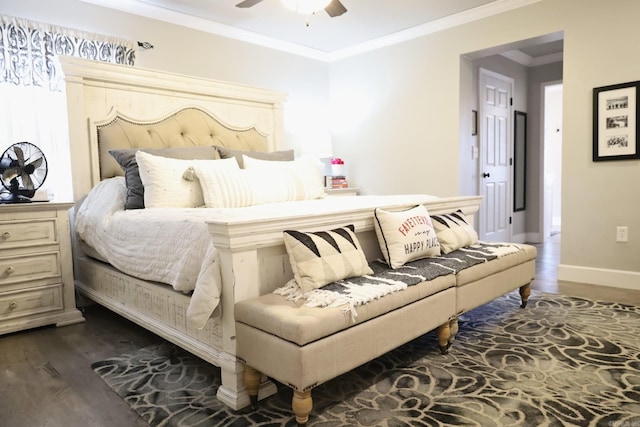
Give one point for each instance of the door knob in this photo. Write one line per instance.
(486, 175)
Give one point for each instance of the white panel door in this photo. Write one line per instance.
(495, 149)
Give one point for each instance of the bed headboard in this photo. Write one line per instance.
(190, 126)
(118, 106)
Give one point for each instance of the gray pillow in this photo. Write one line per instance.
(227, 153)
(126, 158)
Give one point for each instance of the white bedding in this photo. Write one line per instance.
(173, 246)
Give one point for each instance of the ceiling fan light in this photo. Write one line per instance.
(306, 7)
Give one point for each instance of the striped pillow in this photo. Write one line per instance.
(454, 231)
(323, 257)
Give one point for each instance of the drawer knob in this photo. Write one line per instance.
(6, 235)
(13, 305)
(10, 270)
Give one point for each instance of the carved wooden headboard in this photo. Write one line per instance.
(134, 107)
(190, 126)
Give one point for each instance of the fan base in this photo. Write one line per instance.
(14, 198)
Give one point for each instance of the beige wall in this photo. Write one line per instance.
(408, 141)
(397, 112)
(181, 50)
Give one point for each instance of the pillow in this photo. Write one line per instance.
(236, 188)
(303, 176)
(164, 185)
(323, 257)
(226, 187)
(227, 153)
(405, 236)
(454, 231)
(126, 158)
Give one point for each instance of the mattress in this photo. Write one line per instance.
(173, 245)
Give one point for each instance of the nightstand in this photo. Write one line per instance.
(36, 267)
(341, 191)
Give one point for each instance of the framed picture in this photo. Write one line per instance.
(474, 122)
(615, 122)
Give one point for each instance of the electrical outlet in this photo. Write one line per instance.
(622, 234)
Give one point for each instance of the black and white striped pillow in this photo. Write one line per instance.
(454, 231)
(323, 257)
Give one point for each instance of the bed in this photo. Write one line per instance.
(118, 107)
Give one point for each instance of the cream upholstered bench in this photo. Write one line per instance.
(303, 346)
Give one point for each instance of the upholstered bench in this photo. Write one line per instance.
(482, 283)
(300, 337)
(303, 347)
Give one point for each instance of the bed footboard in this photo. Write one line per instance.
(254, 261)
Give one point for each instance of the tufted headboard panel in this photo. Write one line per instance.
(114, 106)
(190, 126)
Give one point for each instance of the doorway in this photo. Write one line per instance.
(552, 159)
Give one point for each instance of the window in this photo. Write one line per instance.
(32, 96)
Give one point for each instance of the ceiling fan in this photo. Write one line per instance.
(333, 9)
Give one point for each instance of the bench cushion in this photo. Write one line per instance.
(480, 271)
(300, 324)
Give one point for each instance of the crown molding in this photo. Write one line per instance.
(530, 61)
(142, 8)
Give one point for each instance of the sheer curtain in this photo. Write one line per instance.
(32, 96)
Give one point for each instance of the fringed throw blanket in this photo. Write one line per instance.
(349, 293)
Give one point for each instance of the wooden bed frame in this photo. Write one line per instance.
(253, 259)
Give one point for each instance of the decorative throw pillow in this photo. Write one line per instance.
(126, 158)
(303, 177)
(320, 258)
(454, 231)
(406, 235)
(227, 153)
(236, 188)
(164, 183)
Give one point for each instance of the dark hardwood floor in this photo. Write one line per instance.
(46, 378)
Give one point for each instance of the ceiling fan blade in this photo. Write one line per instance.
(248, 3)
(335, 8)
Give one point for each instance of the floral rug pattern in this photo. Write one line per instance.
(562, 361)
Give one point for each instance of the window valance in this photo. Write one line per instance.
(28, 50)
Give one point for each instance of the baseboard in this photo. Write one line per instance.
(599, 276)
(519, 238)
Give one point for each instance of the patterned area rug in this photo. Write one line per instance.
(560, 362)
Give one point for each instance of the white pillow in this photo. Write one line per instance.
(454, 231)
(163, 182)
(405, 236)
(237, 188)
(323, 257)
(302, 177)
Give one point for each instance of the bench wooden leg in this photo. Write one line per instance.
(444, 333)
(453, 330)
(525, 291)
(302, 404)
(251, 380)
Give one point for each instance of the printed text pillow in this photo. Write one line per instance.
(323, 257)
(405, 236)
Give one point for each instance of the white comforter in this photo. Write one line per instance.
(173, 246)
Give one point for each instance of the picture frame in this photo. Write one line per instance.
(615, 122)
(474, 122)
(519, 161)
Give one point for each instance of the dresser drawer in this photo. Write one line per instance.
(29, 267)
(18, 234)
(30, 302)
